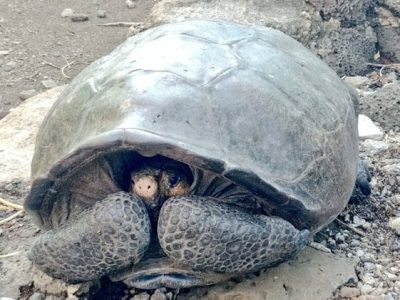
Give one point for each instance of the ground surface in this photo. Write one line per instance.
(36, 42)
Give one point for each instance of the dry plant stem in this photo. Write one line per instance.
(120, 24)
(384, 65)
(13, 216)
(68, 65)
(9, 254)
(351, 228)
(51, 65)
(10, 204)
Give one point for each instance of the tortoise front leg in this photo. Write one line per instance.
(112, 234)
(208, 235)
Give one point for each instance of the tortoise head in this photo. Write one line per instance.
(157, 180)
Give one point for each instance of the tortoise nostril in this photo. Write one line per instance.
(148, 187)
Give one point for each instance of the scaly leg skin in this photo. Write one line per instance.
(112, 234)
(212, 236)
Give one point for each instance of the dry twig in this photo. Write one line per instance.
(10, 204)
(9, 254)
(13, 216)
(120, 24)
(384, 65)
(68, 65)
(348, 226)
(51, 65)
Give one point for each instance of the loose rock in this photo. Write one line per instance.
(67, 13)
(158, 295)
(367, 129)
(4, 53)
(394, 224)
(11, 65)
(141, 296)
(130, 4)
(79, 17)
(49, 83)
(27, 94)
(356, 81)
(101, 13)
(349, 292)
(37, 296)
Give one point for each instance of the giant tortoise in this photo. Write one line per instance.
(193, 153)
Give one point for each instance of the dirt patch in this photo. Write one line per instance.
(36, 42)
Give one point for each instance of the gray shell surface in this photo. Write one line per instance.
(249, 103)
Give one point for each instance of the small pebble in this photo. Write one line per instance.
(37, 296)
(394, 224)
(367, 129)
(331, 242)
(79, 17)
(169, 295)
(366, 289)
(49, 83)
(158, 295)
(130, 4)
(339, 237)
(357, 221)
(67, 13)
(356, 81)
(4, 53)
(395, 246)
(141, 296)
(27, 94)
(101, 13)
(11, 65)
(349, 292)
(368, 278)
(360, 253)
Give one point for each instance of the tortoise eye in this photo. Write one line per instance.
(173, 180)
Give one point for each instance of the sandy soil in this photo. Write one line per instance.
(36, 42)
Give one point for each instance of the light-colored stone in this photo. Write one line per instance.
(49, 285)
(392, 168)
(356, 81)
(101, 13)
(366, 289)
(158, 296)
(4, 52)
(141, 296)
(374, 147)
(394, 223)
(67, 12)
(313, 275)
(49, 83)
(11, 65)
(349, 292)
(358, 222)
(371, 297)
(37, 296)
(130, 4)
(17, 135)
(27, 94)
(367, 129)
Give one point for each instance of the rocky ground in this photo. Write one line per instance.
(367, 233)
